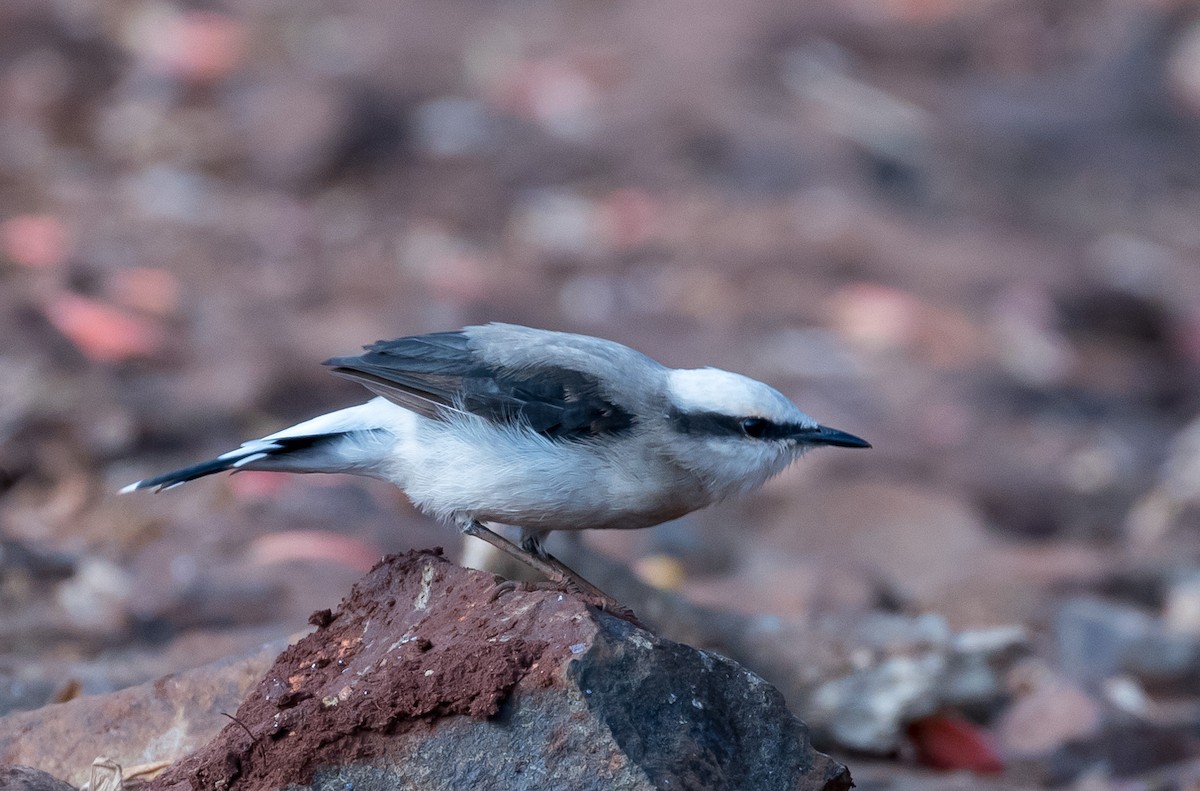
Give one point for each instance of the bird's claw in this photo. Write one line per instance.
(594, 597)
(512, 586)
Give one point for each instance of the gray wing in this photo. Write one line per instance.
(506, 381)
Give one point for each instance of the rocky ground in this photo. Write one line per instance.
(966, 231)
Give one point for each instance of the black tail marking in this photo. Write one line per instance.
(277, 447)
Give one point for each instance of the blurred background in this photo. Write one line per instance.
(966, 230)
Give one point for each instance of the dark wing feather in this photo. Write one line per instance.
(431, 374)
(423, 373)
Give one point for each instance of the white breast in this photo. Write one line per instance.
(514, 476)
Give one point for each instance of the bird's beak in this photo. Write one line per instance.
(824, 435)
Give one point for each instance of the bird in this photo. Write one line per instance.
(542, 431)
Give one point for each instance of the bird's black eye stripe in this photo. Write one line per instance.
(715, 424)
(755, 427)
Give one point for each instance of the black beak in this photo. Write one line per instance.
(824, 435)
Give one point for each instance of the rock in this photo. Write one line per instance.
(1098, 638)
(420, 680)
(890, 528)
(25, 778)
(156, 721)
(1123, 750)
(860, 681)
(1049, 711)
(1182, 609)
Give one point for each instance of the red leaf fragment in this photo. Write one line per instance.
(948, 741)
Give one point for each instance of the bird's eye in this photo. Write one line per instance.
(755, 427)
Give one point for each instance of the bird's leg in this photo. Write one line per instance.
(532, 554)
(476, 529)
(532, 543)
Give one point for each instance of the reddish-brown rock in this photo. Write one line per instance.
(423, 680)
(160, 720)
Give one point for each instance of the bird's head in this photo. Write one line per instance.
(735, 433)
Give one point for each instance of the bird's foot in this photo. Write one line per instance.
(560, 577)
(587, 592)
(608, 604)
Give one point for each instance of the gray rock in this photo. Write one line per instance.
(24, 778)
(421, 681)
(860, 680)
(636, 714)
(1098, 639)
